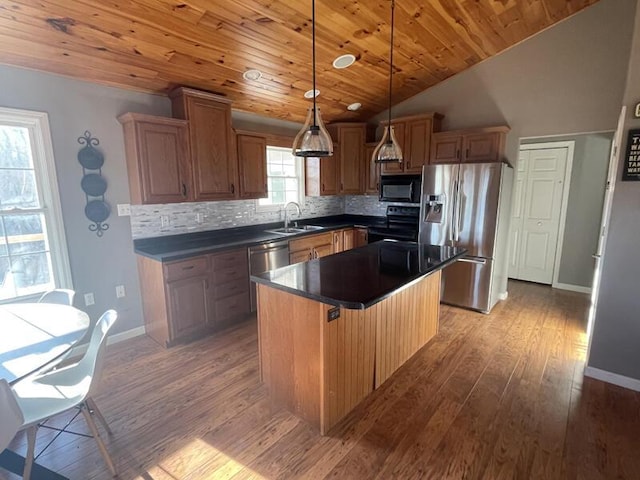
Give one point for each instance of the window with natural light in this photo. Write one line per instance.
(284, 178)
(32, 251)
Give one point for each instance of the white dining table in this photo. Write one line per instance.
(33, 335)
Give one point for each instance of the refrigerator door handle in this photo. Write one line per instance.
(476, 260)
(452, 233)
(458, 210)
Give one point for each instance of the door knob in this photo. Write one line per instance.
(539, 224)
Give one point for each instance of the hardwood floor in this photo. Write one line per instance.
(490, 397)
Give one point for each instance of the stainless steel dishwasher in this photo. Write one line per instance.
(265, 257)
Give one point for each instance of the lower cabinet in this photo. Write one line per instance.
(199, 294)
(360, 237)
(310, 247)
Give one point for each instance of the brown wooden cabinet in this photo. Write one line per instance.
(371, 170)
(469, 146)
(157, 152)
(310, 247)
(361, 237)
(344, 239)
(345, 171)
(230, 280)
(322, 175)
(414, 136)
(252, 165)
(213, 153)
(351, 138)
(198, 294)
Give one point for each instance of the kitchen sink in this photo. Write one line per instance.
(310, 227)
(286, 231)
(294, 230)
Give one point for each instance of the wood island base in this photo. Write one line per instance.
(319, 369)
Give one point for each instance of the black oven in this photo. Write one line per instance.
(400, 188)
(401, 224)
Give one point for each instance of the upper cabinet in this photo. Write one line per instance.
(414, 136)
(213, 152)
(351, 138)
(371, 169)
(344, 172)
(252, 164)
(469, 146)
(157, 151)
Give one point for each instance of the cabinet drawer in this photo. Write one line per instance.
(186, 268)
(230, 274)
(231, 307)
(307, 243)
(231, 288)
(235, 258)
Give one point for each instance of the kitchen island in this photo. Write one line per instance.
(333, 329)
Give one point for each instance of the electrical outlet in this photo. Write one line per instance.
(164, 220)
(119, 291)
(124, 210)
(88, 299)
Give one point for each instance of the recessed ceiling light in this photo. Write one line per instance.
(252, 74)
(309, 93)
(354, 106)
(344, 61)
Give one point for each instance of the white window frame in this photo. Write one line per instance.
(37, 123)
(301, 186)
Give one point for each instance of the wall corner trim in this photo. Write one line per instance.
(613, 378)
(572, 288)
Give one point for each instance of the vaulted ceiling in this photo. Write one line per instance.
(155, 45)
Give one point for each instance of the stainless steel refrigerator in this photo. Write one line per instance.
(469, 205)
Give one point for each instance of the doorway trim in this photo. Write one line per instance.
(570, 146)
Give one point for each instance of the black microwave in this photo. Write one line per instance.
(400, 188)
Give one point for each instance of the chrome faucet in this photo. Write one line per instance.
(286, 217)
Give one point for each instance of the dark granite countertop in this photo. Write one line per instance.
(361, 277)
(176, 247)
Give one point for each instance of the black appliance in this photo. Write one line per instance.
(402, 224)
(400, 188)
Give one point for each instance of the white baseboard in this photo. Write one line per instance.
(613, 378)
(118, 337)
(572, 288)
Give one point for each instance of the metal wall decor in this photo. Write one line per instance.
(93, 184)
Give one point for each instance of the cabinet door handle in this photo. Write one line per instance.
(467, 153)
(233, 188)
(310, 255)
(458, 154)
(266, 188)
(190, 267)
(184, 189)
(323, 187)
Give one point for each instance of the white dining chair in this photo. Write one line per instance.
(11, 418)
(61, 296)
(46, 395)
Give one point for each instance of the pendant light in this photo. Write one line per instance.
(388, 150)
(313, 140)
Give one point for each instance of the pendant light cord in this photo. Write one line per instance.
(393, 4)
(313, 55)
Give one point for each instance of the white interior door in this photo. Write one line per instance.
(536, 229)
(604, 221)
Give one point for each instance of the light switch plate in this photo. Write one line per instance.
(88, 299)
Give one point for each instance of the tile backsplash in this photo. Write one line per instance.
(368, 205)
(146, 220)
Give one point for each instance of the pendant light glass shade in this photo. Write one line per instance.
(313, 140)
(388, 150)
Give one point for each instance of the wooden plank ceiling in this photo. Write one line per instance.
(155, 45)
